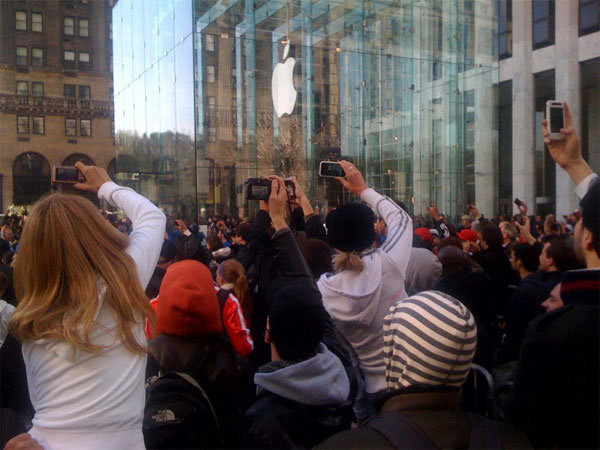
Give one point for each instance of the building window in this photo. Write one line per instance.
(69, 60)
(543, 23)
(84, 61)
(37, 89)
(21, 56)
(112, 128)
(504, 29)
(21, 20)
(209, 41)
(70, 90)
(37, 57)
(22, 88)
(212, 134)
(589, 16)
(69, 26)
(84, 92)
(70, 127)
(37, 22)
(84, 27)
(212, 103)
(38, 125)
(23, 124)
(85, 127)
(210, 74)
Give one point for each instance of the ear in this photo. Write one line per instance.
(267, 335)
(586, 239)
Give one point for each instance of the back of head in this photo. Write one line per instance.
(213, 242)
(168, 252)
(491, 235)
(187, 302)
(350, 227)
(243, 231)
(296, 322)
(66, 248)
(449, 242)
(528, 255)
(318, 256)
(453, 260)
(590, 214)
(188, 247)
(429, 339)
(511, 231)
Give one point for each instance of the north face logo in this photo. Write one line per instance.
(163, 415)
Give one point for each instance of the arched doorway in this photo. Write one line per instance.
(72, 159)
(31, 178)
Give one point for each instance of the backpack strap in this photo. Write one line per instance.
(401, 431)
(484, 433)
(222, 296)
(194, 383)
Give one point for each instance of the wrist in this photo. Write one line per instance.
(578, 170)
(278, 222)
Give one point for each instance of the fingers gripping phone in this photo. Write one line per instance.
(330, 169)
(260, 189)
(555, 115)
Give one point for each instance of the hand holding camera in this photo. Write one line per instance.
(354, 180)
(278, 199)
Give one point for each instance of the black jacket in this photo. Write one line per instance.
(496, 265)
(276, 422)
(556, 393)
(526, 303)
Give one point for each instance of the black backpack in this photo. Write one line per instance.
(179, 414)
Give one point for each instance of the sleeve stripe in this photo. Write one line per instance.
(243, 325)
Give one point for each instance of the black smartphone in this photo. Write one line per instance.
(330, 169)
(518, 202)
(66, 174)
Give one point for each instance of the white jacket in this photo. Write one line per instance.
(358, 302)
(96, 401)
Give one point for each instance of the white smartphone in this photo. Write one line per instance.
(555, 114)
(330, 169)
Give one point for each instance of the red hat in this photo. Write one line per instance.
(187, 302)
(467, 235)
(423, 233)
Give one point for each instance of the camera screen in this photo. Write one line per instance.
(331, 169)
(556, 119)
(67, 174)
(259, 191)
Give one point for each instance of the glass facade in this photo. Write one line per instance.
(405, 89)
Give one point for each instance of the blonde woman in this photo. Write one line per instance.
(80, 285)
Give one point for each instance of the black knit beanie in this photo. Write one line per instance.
(296, 322)
(350, 227)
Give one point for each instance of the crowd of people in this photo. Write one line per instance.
(367, 328)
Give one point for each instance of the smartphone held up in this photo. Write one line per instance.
(260, 189)
(330, 169)
(66, 175)
(555, 115)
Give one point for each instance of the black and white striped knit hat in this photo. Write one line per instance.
(429, 339)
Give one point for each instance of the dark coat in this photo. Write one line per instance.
(277, 422)
(556, 393)
(496, 265)
(435, 410)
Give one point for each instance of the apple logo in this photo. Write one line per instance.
(282, 85)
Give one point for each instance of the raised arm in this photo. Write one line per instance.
(399, 241)
(148, 221)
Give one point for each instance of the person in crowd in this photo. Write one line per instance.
(553, 301)
(168, 253)
(472, 288)
(223, 235)
(435, 236)
(191, 340)
(526, 302)
(510, 233)
(556, 395)
(381, 229)
(239, 248)
(318, 256)
(495, 264)
(469, 240)
(556, 257)
(302, 391)
(81, 314)
(366, 282)
(465, 223)
(427, 360)
(7, 236)
(215, 246)
(423, 270)
(425, 236)
(235, 304)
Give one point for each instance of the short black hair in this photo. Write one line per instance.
(562, 251)
(243, 231)
(590, 213)
(529, 255)
(491, 235)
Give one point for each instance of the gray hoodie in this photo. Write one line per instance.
(358, 302)
(317, 381)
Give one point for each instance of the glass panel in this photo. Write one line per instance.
(21, 20)
(84, 92)
(85, 127)
(38, 125)
(37, 89)
(37, 57)
(71, 127)
(21, 56)
(84, 27)
(69, 26)
(22, 88)
(22, 124)
(70, 90)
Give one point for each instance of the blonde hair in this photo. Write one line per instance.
(347, 261)
(66, 250)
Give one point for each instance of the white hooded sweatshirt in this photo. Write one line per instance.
(358, 302)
